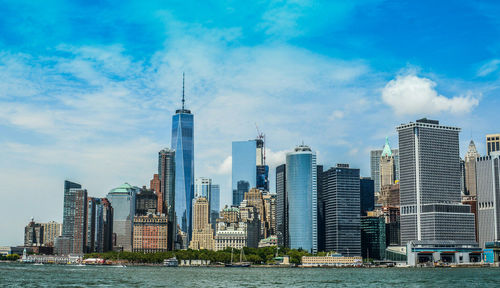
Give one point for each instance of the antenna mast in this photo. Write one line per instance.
(183, 91)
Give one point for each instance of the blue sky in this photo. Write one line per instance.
(88, 88)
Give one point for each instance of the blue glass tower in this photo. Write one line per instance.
(302, 195)
(244, 170)
(183, 144)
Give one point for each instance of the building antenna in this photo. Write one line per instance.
(183, 91)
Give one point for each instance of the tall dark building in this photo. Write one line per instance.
(145, 201)
(166, 193)
(33, 234)
(321, 209)
(92, 221)
(239, 194)
(341, 198)
(69, 206)
(107, 218)
(367, 191)
(373, 240)
(281, 206)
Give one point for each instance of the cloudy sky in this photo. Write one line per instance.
(88, 88)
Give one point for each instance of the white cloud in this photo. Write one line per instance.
(411, 95)
(337, 114)
(488, 68)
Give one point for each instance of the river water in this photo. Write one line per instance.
(28, 275)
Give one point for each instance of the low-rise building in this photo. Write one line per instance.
(269, 241)
(446, 252)
(331, 260)
(232, 237)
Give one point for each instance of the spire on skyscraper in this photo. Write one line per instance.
(182, 90)
(387, 149)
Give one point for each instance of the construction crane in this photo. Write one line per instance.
(262, 136)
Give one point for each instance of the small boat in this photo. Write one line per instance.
(238, 264)
(171, 262)
(38, 264)
(119, 266)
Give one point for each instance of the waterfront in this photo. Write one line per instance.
(28, 275)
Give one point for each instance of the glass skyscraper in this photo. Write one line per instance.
(183, 144)
(244, 171)
(123, 201)
(214, 204)
(301, 189)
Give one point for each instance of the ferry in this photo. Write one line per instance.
(171, 262)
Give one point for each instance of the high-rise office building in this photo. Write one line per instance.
(203, 234)
(492, 143)
(155, 185)
(123, 201)
(281, 206)
(69, 208)
(146, 202)
(270, 211)
(33, 234)
(183, 144)
(202, 187)
(373, 240)
(167, 192)
(488, 197)
(244, 169)
(375, 156)
(214, 204)
(74, 234)
(470, 170)
(92, 220)
(387, 166)
(301, 190)
(262, 181)
(430, 184)
(341, 193)
(367, 194)
(255, 198)
(51, 230)
(320, 208)
(107, 224)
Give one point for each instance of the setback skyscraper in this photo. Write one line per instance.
(430, 184)
(470, 170)
(375, 156)
(183, 144)
(301, 189)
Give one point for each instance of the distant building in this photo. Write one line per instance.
(232, 237)
(94, 224)
(470, 170)
(214, 204)
(444, 252)
(373, 242)
(255, 197)
(334, 260)
(146, 202)
(250, 223)
(341, 190)
(488, 197)
(430, 184)
(375, 156)
(150, 234)
(270, 211)
(269, 242)
(107, 226)
(367, 195)
(51, 230)
(301, 189)
(203, 235)
(74, 234)
(492, 143)
(166, 193)
(33, 234)
(281, 206)
(202, 187)
(123, 201)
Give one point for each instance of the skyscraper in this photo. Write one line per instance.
(341, 193)
(375, 156)
(430, 184)
(301, 189)
(203, 235)
(33, 234)
(146, 201)
(123, 201)
(281, 206)
(51, 230)
(492, 143)
(166, 193)
(202, 187)
(367, 194)
(488, 197)
(470, 170)
(183, 144)
(387, 166)
(244, 169)
(214, 204)
(155, 185)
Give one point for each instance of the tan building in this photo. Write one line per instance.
(492, 143)
(51, 230)
(230, 215)
(270, 208)
(470, 170)
(255, 198)
(387, 166)
(389, 196)
(202, 229)
(150, 234)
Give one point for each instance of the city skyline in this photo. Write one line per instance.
(96, 109)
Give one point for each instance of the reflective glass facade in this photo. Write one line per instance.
(123, 201)
(301, 189)
(183, 144)
(244, 171)
(214, 204)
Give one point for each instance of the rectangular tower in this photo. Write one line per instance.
(430, 184)
(166, 193)
(244, 169)
(341, 190)
(492, 143)
(281, 206)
